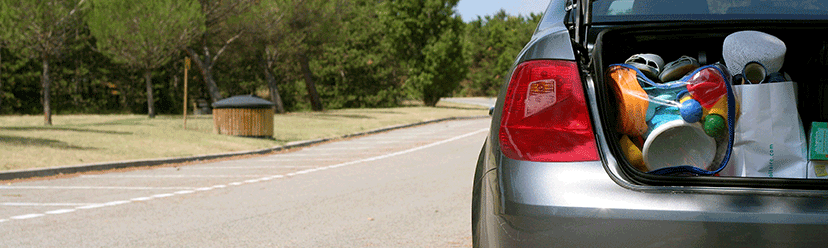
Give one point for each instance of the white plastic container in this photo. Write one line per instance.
(677, 143)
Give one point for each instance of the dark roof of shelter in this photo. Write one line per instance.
(244, 101)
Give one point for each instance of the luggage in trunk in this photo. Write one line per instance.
(805, 62)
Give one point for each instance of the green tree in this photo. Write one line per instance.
(144, 34)
(492, 43)
(360, 70)
(428, 35)
(216, 37)
(2, 95)
(307, 26)
(40, 29)
(262, 31)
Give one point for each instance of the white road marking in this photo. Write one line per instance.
(92, 187)
(35, 204)
(340, 148)
(61, 211)
(162, 195)
(375, 142)
(246, 167)
(409, 150)
(297, 159)
(26, 216)
(310, 155)
(170, 176)
(191, 190)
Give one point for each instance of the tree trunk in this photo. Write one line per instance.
(205, 66)
(150, 105)
(275, 97)
(47, 100)
(316, 104)
(1, 79)
(77, 95)
(431, 101)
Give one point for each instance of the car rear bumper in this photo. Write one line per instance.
(578, 204)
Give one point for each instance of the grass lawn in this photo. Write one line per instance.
(81, 139)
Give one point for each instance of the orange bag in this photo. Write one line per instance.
(632, 101)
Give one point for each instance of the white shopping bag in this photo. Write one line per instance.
(769, 137)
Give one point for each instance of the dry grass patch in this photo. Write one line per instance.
(81, 139)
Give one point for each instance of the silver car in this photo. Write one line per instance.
(556, 175)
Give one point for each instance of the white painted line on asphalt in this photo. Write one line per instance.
(61, 211)
(170, 176)
(246, 167)
(376, 142)
(189, 191)
(26, 216)
(162, 195)
(309, 155)
(36, 204)
(394, 137)
(296, 159)
(406, 151)
(91, 206)
(394, 141)
(352, 148)
(108, 204)
(92, 187)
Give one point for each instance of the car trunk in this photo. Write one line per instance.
(806, 61)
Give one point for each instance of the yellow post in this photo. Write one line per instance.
(186, 68)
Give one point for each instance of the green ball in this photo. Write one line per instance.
(714, 125)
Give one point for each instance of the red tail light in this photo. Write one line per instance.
(545, 116)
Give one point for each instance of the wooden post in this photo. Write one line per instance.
(186, 68)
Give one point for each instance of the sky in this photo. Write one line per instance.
(470, 9)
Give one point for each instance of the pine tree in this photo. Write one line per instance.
(145, 34)
(40, 29)
(428, 35)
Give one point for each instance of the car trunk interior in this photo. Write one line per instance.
(806, 61)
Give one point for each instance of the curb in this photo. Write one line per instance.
(53, 171)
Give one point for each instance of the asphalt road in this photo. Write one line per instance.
(480, 101)
(403, 188)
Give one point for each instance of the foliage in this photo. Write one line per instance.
(40, 29)
(492, 43)
(144, 34)
(359, 70)
(426, 34)
(359, 53)
(218, 34)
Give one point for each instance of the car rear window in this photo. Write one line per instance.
(638, 10)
